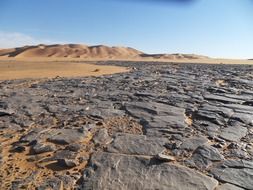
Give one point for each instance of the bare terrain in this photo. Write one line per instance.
(71, 120)
(87, 52)
(30, 69)
(157, 126)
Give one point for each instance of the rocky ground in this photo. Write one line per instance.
(159, 126)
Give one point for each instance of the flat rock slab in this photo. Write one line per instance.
(239, 173)
(157, 114)
(233, 133)
(137, 145)
(193, 142)
(222, 99)
(67, 136)
(204, 156)
(243, 117)
(102, 137)
(111, 171)
(152, 108)
(228, 186)
(209, 153)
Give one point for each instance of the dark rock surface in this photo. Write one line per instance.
(239, 173)
(228, 186)
(130, 172)
(137, 144)
(159, 126)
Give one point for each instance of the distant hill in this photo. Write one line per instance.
(84, 51)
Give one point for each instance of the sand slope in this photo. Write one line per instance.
(70, 51)
(88, 52)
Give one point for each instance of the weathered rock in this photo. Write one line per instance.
(136, 144)
(67, 136)
(4, 112)
(193, 142)
(222, 99)
(165, 158)
(209, 153)
(39, 148)
(179, 107)
(111, 171)
(157, 115)
(73, 147)
(32, 136)
(204, 156)
(233, 133)
(228, 186)
(102, 137)
(17, 148)
(61, 154)
(239, 173)
(245, 118)
(211, 116)
(65, 163)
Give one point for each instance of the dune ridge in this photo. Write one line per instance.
(84, 51)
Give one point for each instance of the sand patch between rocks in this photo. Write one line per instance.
(22, 70)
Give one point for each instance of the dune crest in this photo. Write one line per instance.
(84, 51)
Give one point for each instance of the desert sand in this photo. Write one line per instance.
(21, 70)
(74, 60)
(71, 51)
(80, 52)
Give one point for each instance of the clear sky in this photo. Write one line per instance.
(217, 28)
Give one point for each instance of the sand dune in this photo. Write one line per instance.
(70, 51)
(88, 52)
(80, 52)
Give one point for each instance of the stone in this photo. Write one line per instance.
(242, 117)
(233, 133)
(238, 163)
(102, 137)
(73, 147)
(223, 111)
(66, 163)
(193, 142)
(136, 144)
(204, 156)
(32, 136)
(209, 153)
(165, 158)
(177, 107)
(236, 172)
(67, 136)
(64, 154)
(112, 171)
(228, 186)
(18, 149)
(211, 117)
(4, 112)
(222, 99)
(157, 115)
(39, 148)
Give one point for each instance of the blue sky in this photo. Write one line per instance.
(217, 28)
